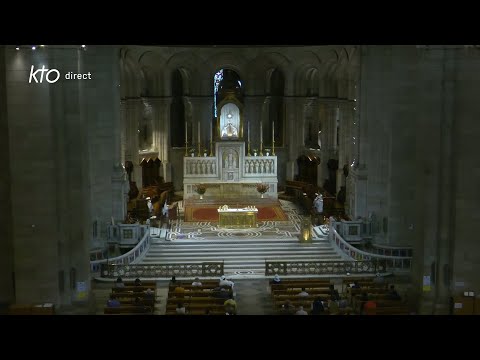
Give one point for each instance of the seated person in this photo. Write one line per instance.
(113, 301)
(379, 280)
(333, 292)
(231, 305)
(173, 281)
(196, 282)
(333, 306)
(181, 309)
(303, 293)
(276, 279)
(288, 308)
(138, 282)
(370, 307)
(355, 285)
(392, 293)
(119, 283)
(300, 311)
(179, 291)
(138, 302)
(221, 292)
(223, 281)
(149, 294)
(317, 307)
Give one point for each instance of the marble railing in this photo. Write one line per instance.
(206, 269)
(98, 254)
(322, 267)
(200, 166)
(388, 250)
(255, 166)
(391, 263)
(138, 251)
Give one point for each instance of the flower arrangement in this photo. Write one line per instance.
(262, 188)
(200, 188)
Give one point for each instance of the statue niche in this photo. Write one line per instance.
(230, 120)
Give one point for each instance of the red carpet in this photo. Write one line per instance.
(210, 213)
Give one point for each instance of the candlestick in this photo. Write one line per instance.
(248, 152)
(273, 138)
(261, 138)
(248, 130)
(199, 149)
(186, 138)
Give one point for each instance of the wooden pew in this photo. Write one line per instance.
(196, 300)
(194, 306)
(144, 283)
(197, 312)
(306, 285)
(133, 289)
(128, 309)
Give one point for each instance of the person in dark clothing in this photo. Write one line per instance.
(334, 293)
(138, 282)
(317, 307)
(393, 294)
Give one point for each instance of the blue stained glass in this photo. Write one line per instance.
(216, 82)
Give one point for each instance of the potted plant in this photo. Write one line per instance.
(255, 151)
(205, 152)
(200, 189)
(192, 152)
(262, 188)
(267, 152)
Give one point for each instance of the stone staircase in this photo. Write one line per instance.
(240, 256)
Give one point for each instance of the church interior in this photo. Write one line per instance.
(250, 180)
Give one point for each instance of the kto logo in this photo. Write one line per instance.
(46, 72)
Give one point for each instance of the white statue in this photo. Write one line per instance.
(149, 204)
(318, 204)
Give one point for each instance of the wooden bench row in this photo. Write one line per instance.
(197, 300)
(193, 306)
(128, 310)
(197, 312)
(132, 289)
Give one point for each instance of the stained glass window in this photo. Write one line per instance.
(216, 82)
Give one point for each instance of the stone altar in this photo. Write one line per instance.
(230, 173)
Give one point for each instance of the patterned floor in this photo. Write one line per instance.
(200, 230)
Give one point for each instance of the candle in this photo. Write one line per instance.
(186, 132)
(198, 132)
(273, 131)
(248, 130)
(261, 131)
(211, 133)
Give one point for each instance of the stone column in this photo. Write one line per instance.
(133, 115)
(7, 294)
(293, 111)
(161, 126)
